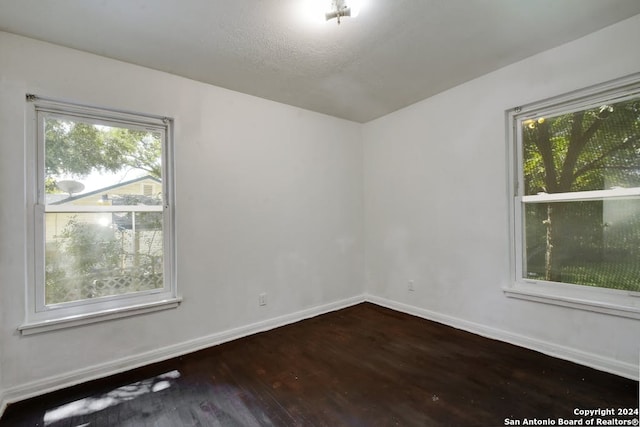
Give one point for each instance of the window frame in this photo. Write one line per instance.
(597, 299)
(40, 317)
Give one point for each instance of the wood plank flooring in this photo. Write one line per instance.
(360, 366)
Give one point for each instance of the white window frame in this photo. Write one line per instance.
(601, 300)
(40, 317)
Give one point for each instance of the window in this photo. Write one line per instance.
(576, 204)
(102, 215)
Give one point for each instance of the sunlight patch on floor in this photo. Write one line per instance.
(89, 405)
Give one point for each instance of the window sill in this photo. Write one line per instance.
(616, 303)
(36, 327)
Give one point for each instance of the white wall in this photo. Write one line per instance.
(436, 208)
(268, 199)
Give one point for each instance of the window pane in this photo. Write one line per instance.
(94, 164)
(88, 164)
(593, 149)
(591, 243)
(91, 255)
(594, 243)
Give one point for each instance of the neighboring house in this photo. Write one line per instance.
(146, 189)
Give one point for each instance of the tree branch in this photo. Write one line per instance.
(596, 163)
(578, 142)
(543, 142)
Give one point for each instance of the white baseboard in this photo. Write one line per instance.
(3, 403)
(58, 382)
(623, 369)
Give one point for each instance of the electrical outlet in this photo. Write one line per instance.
(262, 299)
(410, 286)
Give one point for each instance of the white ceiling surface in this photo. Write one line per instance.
(395, 53)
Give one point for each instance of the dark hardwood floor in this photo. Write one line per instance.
(360, 366)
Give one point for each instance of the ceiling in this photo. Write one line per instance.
(395, 53)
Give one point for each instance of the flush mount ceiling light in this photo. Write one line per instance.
(318, 12)
(340, 8)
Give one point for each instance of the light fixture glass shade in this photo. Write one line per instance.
(320, 11)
